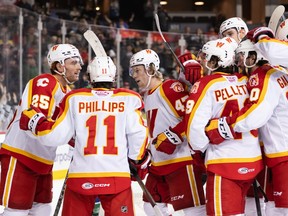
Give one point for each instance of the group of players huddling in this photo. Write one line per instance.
(224, 118)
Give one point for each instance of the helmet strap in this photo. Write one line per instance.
(63, 74)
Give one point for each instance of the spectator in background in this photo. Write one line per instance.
(122, 24)
(114, 10)
(126, 54)
(148, 15)
(30, 68)
(23, 4)
(75, 13)
(164, 19)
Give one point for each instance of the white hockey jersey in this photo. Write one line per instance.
(164, 108)
(44, 92)
(274, 50)
(269, 94)
(215, 96)
(108, 128)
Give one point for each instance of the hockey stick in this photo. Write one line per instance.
(257, 201)
(61, 196)
(167, 44)
(262, 191)
(145, 191)
(95, 43)
(276, 17)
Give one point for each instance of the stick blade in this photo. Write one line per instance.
(95, 43)
(276, 17)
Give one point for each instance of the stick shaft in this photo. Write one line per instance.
(257, 201)
(167, 44)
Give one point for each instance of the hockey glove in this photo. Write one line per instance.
(219, 130)
(259, 32)
(167, 141)
(192, 71)
(185, 57)
(140, 168)
(30, 118)
(192, 68)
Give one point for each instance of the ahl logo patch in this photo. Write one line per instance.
(254, 80)
(177, 87)
(102, 93)
(231, 79)
(87, 186)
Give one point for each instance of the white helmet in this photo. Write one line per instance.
(145, 57)
(102, 69)
(234, 22)
(61, 52)
(282, 31)
(247, 46)
(223, 48)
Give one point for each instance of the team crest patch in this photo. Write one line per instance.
(177, 87)
(231, 79)
(124, 209)
(194, 88)
(254, 80)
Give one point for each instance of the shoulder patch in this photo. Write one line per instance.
(42, 82)
(194, 88)
(177, 87)
(254, 80)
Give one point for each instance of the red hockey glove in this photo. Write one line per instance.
(185, 57)
(30, 118)
(219, 130)
(167, 141)
(192, 68)
(259, 32)
(192, 71)
(140, 168)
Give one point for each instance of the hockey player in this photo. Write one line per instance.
(26, 165)
(233, 27)
(233, 165)
(247, 58)
(109, 131)
(272, 47)
(171, 156)
(266, 111)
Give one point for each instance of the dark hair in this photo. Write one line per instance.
(53, 68)
(108, 85)
(230, 69)
(261, 62)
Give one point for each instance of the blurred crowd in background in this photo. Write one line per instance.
(28, 31)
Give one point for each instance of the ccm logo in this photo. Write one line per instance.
(177, 197)
(88, 185)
